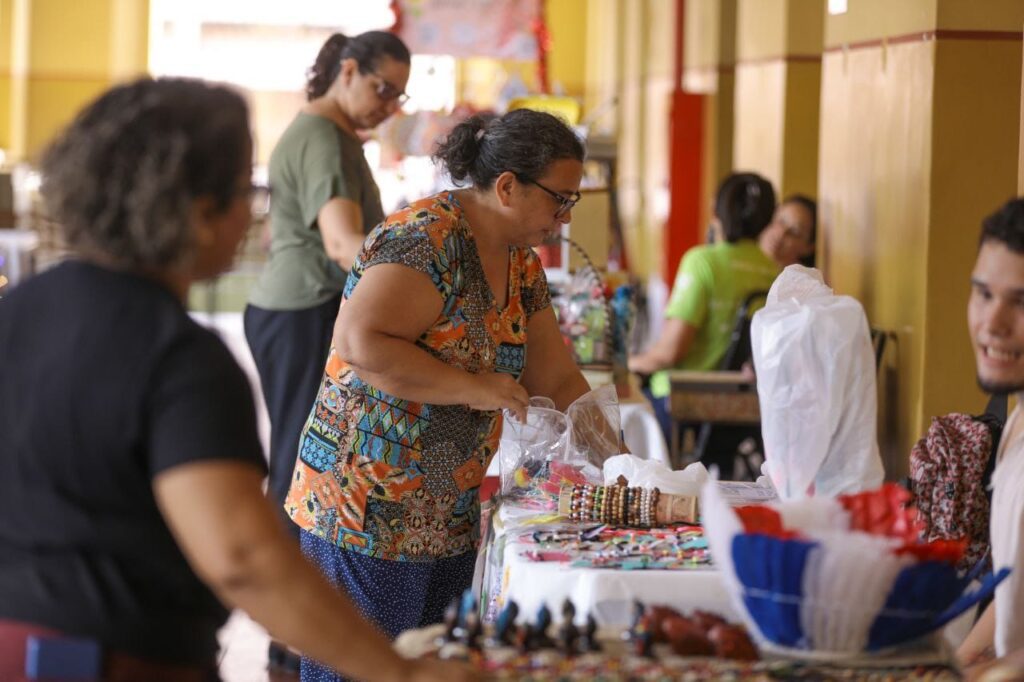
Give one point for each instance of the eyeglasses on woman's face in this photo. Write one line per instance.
(387, 91)
(565, 203)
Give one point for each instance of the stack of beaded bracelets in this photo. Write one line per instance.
(613, 504)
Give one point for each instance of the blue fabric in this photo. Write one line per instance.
(394, 595)
(661, 413)
(923, 589)
(771, 572)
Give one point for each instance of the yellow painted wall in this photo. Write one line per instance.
(800, 129)
(875, 19)
(874, 212)
(761, 29)
(62, 54)
(975, 136)
(603, 66)
(777, 91)
(6, 47)
(919, 140)
(709, 61)
(760, 112)
(567, 24)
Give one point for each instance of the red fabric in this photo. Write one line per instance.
(13, 638)
(540, 30)
(764, 521)
(883, 511)
(946, 551)
(488, 487)
(117, 667)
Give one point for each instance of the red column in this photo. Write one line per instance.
(686, 135)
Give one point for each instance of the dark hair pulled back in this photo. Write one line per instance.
(744, 204)
(523, 142)
(366, 48)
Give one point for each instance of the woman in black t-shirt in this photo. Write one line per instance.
(131, 500)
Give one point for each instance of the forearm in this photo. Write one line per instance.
(343, 248)
(654, 359)
(569, 389)
(404, 370)
(978, 645)
(289, 597)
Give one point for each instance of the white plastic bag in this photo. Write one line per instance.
(650, 474)
(816, 388)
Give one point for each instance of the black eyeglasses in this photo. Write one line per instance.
(388, 92)
(565, 203)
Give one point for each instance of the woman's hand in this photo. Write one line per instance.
(497, 391)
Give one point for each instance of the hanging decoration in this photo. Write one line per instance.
(543, 37)
(500, 29)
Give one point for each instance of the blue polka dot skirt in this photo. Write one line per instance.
(394, 595)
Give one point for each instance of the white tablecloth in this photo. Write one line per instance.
(609, 593)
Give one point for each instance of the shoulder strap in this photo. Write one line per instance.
(997, 406)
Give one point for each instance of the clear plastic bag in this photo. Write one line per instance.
(816, 388)
(553, 449)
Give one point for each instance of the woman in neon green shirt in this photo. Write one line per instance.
(712, 282)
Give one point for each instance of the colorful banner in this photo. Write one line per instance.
(502, 29)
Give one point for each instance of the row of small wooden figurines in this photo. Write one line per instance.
(700, 634)
(464, 631)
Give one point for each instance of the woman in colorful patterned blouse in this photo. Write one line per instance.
(445, 321)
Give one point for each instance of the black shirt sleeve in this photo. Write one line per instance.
(200, 407)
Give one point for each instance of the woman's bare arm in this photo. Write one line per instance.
(234, 542)
(376, 334)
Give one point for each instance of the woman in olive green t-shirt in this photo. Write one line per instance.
(324, 202)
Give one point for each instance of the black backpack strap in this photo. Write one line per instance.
(995, 419)
(997, 406)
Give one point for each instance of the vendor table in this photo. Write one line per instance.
(517, 567)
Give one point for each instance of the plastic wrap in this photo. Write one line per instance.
(816, 388)
(650, 474)
(552, 449)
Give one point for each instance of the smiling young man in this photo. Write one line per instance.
(995, 318)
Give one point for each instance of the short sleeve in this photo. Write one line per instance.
(535, 292)
(691, 290)
(324, 175)
(200, 407)
(409, 242)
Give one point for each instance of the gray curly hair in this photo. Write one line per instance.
(122, 177)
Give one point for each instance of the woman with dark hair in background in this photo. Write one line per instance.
(324, 203)
(712, 282)
(791, 235)
(446, 321)
(131, 476)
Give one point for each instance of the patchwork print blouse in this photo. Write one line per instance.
(396, 479)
